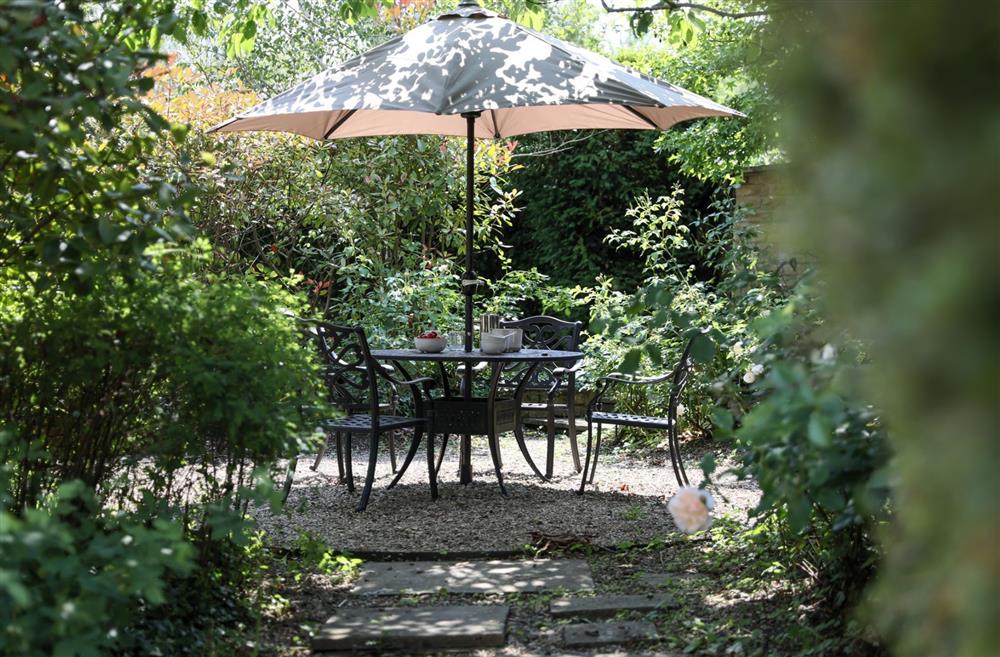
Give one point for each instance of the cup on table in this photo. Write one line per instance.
(515, 339)
(490, 343)
(456, 340)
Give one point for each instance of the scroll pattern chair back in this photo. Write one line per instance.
(551, 333)
(347, 368)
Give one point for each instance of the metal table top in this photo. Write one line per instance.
(477, 356)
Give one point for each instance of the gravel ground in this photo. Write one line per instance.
(626, 504)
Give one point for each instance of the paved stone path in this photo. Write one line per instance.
(662, 580)
(606, 606)
(466, 627)
(520, 576)
(592, 635)
(414, 628)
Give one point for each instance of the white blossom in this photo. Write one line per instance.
(691, 509)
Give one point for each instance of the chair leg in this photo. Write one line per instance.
(597, 452)
(675, 457)
(349, 462)
(338, 438)
(289, 475)
(417, 434)
(440, 458)
(319, 455)
(550, 447)
(586, 463)
(494, 443)
(571, 419)
(431, 469)
(370, 475)
(391, 437)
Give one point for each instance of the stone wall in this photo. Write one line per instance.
(763, 193)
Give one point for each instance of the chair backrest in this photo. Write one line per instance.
(679, 377)
(544, 332)
(348, 365)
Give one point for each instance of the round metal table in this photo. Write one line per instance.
(467, 415)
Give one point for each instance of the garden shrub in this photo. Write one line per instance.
(73, 577)
(646, 332)
(125, 387)
(162, 402)
(819, 452)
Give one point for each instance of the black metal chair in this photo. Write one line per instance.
(352, 388)
(596, 413)
(384, 408)
(544, 332)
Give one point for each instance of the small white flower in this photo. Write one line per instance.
(691, 509)
(757, 369)
(749, 377)
(828, 354)
(112, 633)
(681, 409)
(166, 552)
(131, 563)
(68, 609)
(127, 540)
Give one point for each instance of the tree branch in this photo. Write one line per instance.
(559, 148)
(673, 5)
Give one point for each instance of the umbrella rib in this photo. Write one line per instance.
(339, 123)
(496, 129)
(642, 116)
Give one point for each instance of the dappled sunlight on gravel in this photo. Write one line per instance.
(626, 504)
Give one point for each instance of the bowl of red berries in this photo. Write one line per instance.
(431, 342)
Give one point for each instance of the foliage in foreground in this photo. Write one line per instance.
(143, 396)
(896, 167)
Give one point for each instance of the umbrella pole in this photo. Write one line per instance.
(469, 283)
(469, 279)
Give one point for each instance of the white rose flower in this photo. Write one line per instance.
(691, 509)
(749, 377)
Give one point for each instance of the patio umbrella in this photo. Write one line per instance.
(471, 72)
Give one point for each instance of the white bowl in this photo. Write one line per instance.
(431, 345)
(492, 344)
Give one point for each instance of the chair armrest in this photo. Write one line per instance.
(563, 371)
(426, 381)
(618, 377)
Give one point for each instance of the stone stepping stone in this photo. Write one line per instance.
(606, 606)
(414, 628)
(520, 576)
(591, 635)
(660, 580)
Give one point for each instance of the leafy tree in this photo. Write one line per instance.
(573, 198)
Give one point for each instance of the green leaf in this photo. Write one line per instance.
(722, 419)
(655, 353)
(819, 430)
(702, 349)
(107, 231)
(799, 513)
(708, 464)
(630, 364)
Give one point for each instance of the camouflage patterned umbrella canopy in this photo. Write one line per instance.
(471, 72)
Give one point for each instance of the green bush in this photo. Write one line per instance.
(124, 387)
(819, 452)
(646, 332)
(73, 577)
